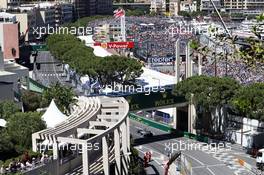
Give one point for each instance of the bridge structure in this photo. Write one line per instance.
(99, 129)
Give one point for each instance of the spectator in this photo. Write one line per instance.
(3, 170)
(28, 164)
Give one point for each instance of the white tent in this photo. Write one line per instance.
(53, 116)
(2, 123)
(98, 50)
(151, 78)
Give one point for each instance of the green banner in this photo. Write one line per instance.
(36, 86)
(153, 100)
(39, 47)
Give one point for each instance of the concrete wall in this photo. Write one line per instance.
(9, 77)
(6, 91)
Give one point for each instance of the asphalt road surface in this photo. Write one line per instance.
(50, 71)
(163, 143)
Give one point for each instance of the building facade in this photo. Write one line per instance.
(158, 6)
(4, 4)
(247, 6)
(188, 6)
(104, 7)
(63, 13)
(176, 6)
(27, 19)
(9, 35)
(207, 6)
(45, 15)
(83, 8)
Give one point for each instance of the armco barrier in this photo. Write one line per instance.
(196, 137)
(166, 128)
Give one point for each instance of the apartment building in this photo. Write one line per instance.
(187, 5)
(108, 32)
(207, 6)
(4, 4)
(104, 7)
(83, 8)
(63, 13)
(27, 19)
(158, 6)
(245, 6)
(10, 72)
(174, 7)
(9, 36)
(45, 15)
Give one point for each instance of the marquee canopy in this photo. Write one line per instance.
(53, 116)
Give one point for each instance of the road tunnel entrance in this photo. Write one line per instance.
(182, 119)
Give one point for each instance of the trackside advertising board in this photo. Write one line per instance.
(116, 45)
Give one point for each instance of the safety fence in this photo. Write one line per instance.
(167, 128)
(151, 123)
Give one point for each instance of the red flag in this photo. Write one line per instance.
(119, 13)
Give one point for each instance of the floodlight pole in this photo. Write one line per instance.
(221, 19)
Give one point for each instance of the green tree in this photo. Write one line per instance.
(151, 14)
(118, 69)
(81, 58)
(7, 108)
(207, 94)
(184, 14)
(249, 101)
(253, 53)
(31, 101)
(64, 97)
(20, 127)
(136, 165)
(136, 12)
(6, 145)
